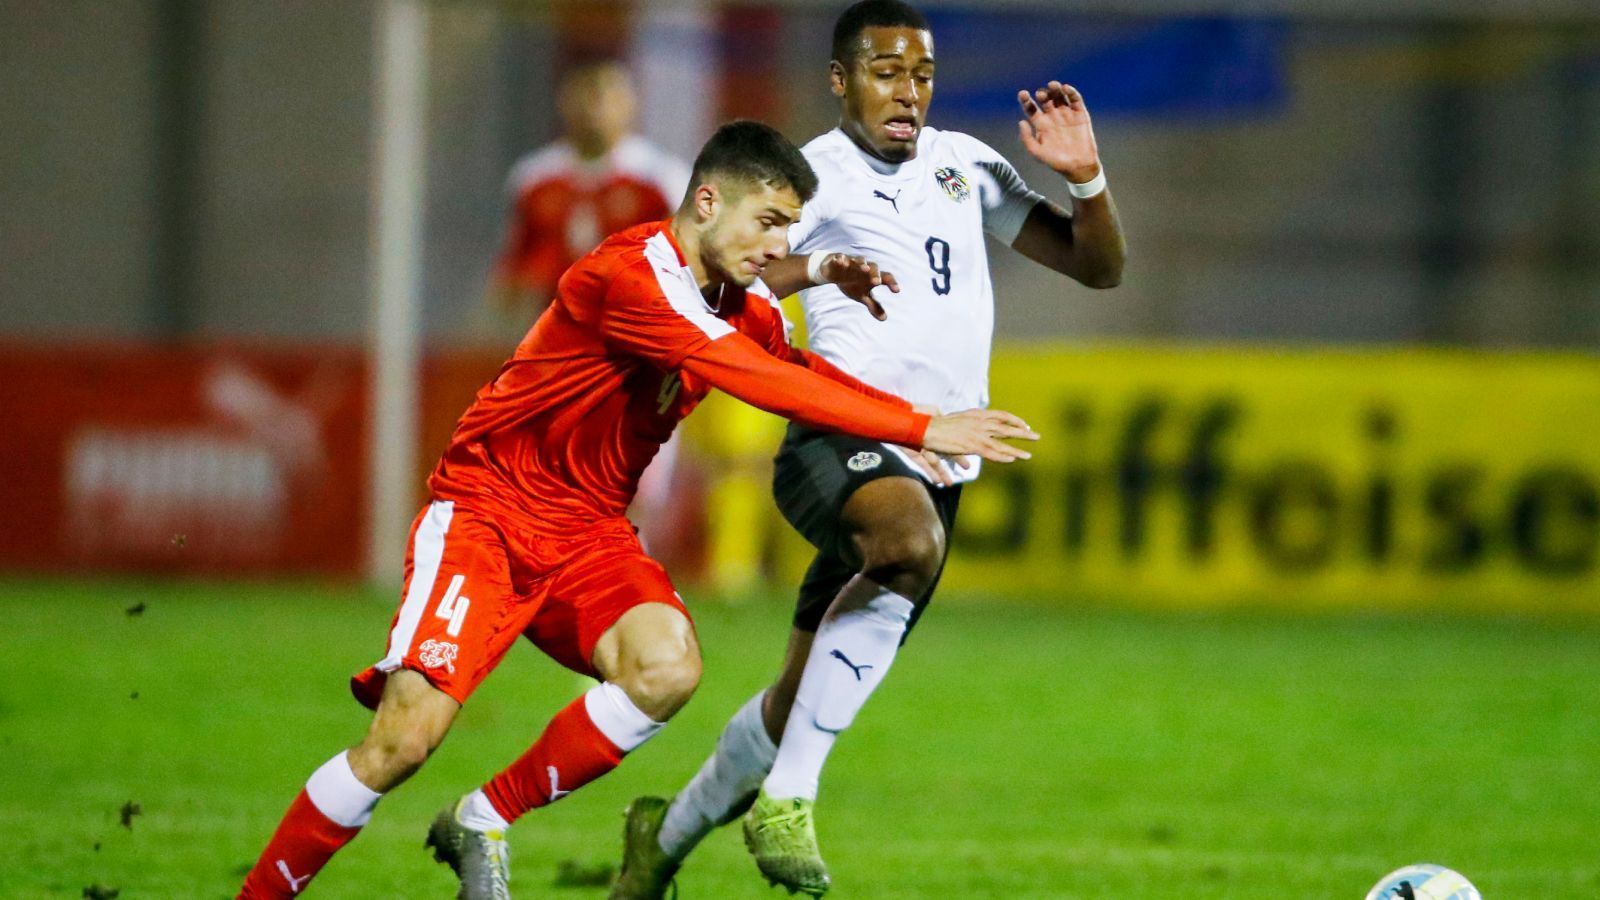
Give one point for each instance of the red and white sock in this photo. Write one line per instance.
(325, 816)
(585, 740)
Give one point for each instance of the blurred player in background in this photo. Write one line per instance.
(595, 180)
(526, 534)
(918, 202)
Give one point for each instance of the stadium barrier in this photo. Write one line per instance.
(1168, 477)
(1293, 478)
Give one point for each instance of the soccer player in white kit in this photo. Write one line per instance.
(915, 202)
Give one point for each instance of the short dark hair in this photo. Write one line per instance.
(758, 153)
(871, 14)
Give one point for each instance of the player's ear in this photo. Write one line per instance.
(836, 75)
(706, 201)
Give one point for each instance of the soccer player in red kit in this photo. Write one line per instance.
(525, 534)
(596, 179)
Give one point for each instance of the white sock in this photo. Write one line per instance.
(615, 716)
(478, 814)
(854, 646)
(337, 793)
(722, 788)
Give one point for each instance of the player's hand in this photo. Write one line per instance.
(1056, 130)
(856, 276)
(939, 467)
(978, 431)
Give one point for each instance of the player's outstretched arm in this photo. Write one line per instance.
(828, 370)
(740, 367)
(1085, 244)
(856, 276)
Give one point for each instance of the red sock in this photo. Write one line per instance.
(304, 842)
(571, 753)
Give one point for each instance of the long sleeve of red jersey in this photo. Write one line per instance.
(738, 366)
(828, 370)
(776, 340)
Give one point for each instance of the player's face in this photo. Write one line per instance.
(886, 88)
(750, 229)
(597, 104)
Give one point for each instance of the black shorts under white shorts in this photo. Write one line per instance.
(815, 472)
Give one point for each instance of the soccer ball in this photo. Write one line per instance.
(1424, 882)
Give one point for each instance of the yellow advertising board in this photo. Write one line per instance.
(1292, 478)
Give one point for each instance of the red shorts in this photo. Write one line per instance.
(475, 582)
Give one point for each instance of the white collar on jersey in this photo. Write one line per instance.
(883, 167)
(685, 275)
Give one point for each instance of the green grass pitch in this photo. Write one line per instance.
(1015, 752)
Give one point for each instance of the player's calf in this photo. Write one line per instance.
(327, 814)
(854, 647)
(338, 799)
(720, 792)
(584, 741)
(651, 664)
(410, 723)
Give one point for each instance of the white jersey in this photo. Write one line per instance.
(924, 221)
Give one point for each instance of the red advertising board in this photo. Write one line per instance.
(228, 459)
(182, 458)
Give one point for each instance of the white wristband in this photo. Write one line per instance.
(814, 267)
(1092, 187)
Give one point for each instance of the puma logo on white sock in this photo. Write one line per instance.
(839, 655)
(294, 883)
(555, 780)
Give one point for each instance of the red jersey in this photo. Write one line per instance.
(562, 205)
(629, 347)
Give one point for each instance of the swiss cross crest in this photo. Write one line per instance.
(954, 183)
(433, 654)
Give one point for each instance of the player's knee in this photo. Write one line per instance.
(905, 558)
(652, 654)
(407, 753)
(659, 684)
(383, 761)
